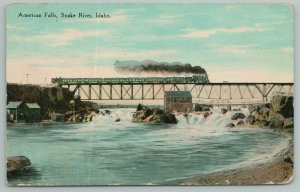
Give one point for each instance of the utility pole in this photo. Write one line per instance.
(27, 77)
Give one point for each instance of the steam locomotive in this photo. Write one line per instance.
(203, 78)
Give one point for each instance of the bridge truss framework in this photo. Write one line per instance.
(207, 91)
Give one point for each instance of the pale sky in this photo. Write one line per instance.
(235, 43)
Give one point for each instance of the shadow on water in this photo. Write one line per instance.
(25, 175)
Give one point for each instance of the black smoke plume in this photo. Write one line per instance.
(133, 66)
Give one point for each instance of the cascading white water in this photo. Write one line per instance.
(216, 119)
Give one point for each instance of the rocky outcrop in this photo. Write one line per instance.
(83, 116)
(283, 105)
(107, 112)
(230, 125)
(52, 100)
(49, 98)
(277, 115)
(17, 163)
(250, 119)
(262, 123)
(206, 114)
(223, 110)
(155, 116)
(288, 123)
(240, 123)
(238, 116)
(202, 107)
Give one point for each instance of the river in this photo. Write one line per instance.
(104, 152)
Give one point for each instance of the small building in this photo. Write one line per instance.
(33, 113)
(180, 101)
(18, 111)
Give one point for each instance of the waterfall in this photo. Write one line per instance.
(216, 119)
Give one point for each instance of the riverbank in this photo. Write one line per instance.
(278, 171)
(51, 104)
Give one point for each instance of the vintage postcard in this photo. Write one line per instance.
(149, 94)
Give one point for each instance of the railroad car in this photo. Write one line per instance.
(71, 81)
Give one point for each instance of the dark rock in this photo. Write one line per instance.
(267, 105)
(236, 109)
(139, 107)
(255, 114)
(135, 114)
(149, 118)
(258, 116)
(250, 108)
(257, 108)
(118, 119)
(158, 111)
(223, 111)
(230, 125)
(156, 116)
(250, 119)
(17, 163)
(260, 123)
(276, 116)
(288, 160)
(205, 109)
(108, 112)
(202, 107)
(165, 118)
(283, 105)
(238, 116)
(288, 123)
(241, 122)
(206, 114)
(148, 112)
(264, 112)
(276, 121)
(198, 107)
(253, 108)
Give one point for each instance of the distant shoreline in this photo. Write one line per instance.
(116, 106)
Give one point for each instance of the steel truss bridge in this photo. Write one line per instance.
(222, 93)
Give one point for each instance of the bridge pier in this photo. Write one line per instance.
(153, 97)
(142, 91)
(121, 91)
(90, 92)
(110, 92)
(100, 92)
(228, 107)
(264, 93)
(131, 91)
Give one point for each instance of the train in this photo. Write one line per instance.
(203, 78)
